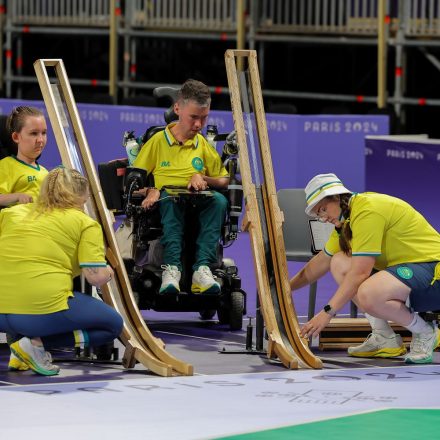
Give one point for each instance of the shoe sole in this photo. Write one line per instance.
(24, 357)
(419, 361)
(22, 367)
(169, 289)
(210, 290)
(386, 353)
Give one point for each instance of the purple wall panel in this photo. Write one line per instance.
(301, 146)
(408, 169)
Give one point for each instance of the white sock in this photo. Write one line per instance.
(418, 325)
(381, 326)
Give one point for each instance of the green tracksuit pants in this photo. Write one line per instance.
(211, 212)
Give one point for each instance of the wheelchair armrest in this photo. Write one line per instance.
(135, 179)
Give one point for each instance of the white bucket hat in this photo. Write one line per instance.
(321, 186)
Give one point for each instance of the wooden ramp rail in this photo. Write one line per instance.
(263, 217)
(140, 344)
(342, 333)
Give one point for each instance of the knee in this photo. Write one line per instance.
(365, 298)
(118, 328)
(220, 201)
(117, 324)
(339, 266)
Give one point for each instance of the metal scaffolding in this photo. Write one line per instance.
(385, 24)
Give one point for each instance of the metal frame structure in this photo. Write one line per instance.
(381, 23)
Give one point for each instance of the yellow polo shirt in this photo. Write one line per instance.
(41, 254)
(174, 164)
(390, 230)
(17, 176)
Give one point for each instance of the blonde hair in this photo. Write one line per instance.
(62, 188)
(17, 117)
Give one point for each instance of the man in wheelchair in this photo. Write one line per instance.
(201, 216)
(180, 157)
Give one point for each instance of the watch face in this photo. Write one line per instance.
(327, 308)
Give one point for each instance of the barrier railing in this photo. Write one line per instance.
(59, 12)
(350, 22)
(355, 17)
(182, 15)
(317, 16)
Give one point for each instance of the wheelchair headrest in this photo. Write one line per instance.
(151, 132)
(171, 94)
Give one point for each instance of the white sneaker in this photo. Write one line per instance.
(422, 346)
(377, 345)
(204, 282)
(35, 357)
(170, 279)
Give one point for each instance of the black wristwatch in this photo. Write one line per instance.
(328, 309)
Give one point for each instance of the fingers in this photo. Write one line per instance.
(197, 183)
(310, 330)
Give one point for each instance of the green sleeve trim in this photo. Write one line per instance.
(93, 264)
(328, 253)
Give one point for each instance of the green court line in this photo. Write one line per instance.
(389, 424)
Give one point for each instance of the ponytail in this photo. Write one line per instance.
(346, 234)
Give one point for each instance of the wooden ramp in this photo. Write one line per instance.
(342, 333)
(140, 344)
(263, 218)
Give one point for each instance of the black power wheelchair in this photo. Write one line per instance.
(121, 183)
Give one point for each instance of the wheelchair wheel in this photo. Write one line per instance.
(236, 311)
(207, 314)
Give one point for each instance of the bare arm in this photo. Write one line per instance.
(9, 199)
(200, 182)
(152, 196)
(360, 270)
(318, 266)
(217, 182)
(97, 276)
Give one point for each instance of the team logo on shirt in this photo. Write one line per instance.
(405, 272)
(197, 163)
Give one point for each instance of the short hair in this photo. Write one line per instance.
(193, 90)
(62, 188)
(17, 117)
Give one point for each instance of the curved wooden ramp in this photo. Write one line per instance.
(140, 344)
(263, 217)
